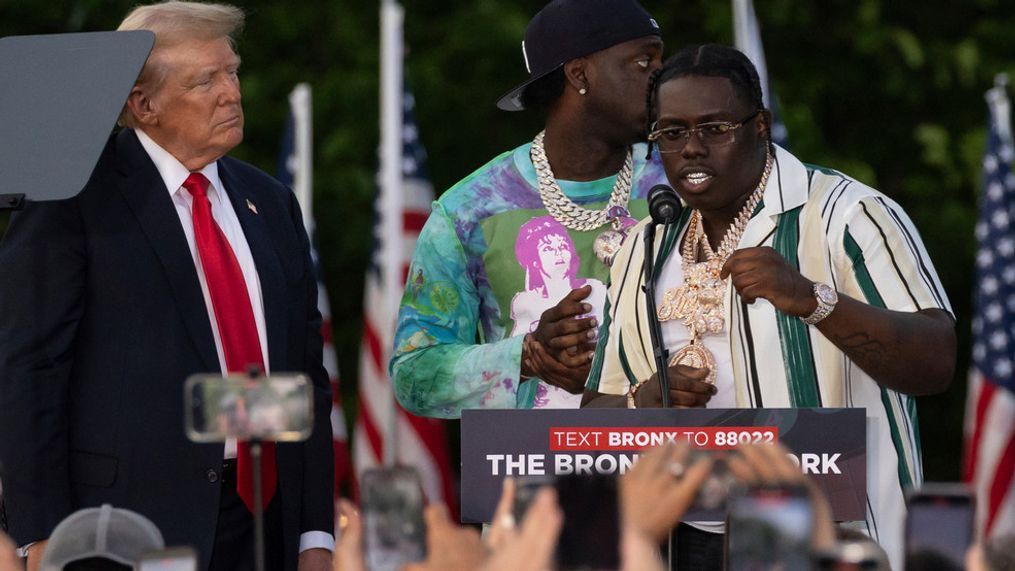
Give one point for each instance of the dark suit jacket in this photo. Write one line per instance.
(101, 321)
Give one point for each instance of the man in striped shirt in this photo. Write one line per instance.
(823, 295)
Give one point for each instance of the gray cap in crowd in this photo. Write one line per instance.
(110, 533)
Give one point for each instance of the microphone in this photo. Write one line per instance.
(664, 207)
(663, 204)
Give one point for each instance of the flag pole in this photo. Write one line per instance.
(747, 38)
(303, 143)
(1000, 106)
(392, 17)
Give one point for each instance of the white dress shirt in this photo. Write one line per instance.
(173, 174)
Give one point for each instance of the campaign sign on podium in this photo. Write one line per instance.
(830, 445)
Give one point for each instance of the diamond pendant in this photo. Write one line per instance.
(697, 356)
(609, 242)
(607, 245)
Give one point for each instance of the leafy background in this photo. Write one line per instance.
(890, 92)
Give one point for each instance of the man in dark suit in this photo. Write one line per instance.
(173, 260)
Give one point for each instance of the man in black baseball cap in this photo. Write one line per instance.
(563, 31)
(507, 283)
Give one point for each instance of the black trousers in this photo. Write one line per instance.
(234, 534)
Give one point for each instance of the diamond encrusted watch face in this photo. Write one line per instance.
(826, 294)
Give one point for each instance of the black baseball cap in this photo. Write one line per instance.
(567, 29)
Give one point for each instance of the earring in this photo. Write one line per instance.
(581, 91)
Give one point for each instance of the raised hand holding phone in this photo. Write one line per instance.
(939, 526)
(392, 513)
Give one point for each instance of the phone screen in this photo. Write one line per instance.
(171, 559)
(526, 488)
(590, 535)
(769, 527)
(392, 508)
(278, 408)
(168, 564)
(939, 529)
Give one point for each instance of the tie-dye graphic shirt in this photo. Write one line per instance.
(482, 272)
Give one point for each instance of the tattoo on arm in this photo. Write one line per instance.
(863, 349)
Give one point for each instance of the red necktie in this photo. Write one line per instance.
(237, 329)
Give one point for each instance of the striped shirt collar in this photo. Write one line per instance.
(787, 185)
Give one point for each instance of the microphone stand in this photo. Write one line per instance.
(659, 351)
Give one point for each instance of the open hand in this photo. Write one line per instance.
(770, 464)
(530, 547)
(657, 491)
(449, 546)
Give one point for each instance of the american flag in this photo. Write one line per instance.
(747, 38)
(990, 406)
(418, 442)
(295, 170)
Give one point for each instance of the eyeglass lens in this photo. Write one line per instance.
(713, 134)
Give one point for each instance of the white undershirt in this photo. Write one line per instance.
(174, 174)
(676, 336)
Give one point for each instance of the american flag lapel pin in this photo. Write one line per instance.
(251, 206)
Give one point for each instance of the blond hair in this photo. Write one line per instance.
(175, 22)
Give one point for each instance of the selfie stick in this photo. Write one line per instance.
(255, 455)
(254, 372)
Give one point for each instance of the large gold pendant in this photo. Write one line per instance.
(698, 356)
(698, 301)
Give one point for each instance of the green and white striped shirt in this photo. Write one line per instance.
(834, 230)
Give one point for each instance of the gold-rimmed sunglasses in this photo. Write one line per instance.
(673, 139)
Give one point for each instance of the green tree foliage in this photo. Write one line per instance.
(889, 92)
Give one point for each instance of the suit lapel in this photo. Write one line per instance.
(141, 186)
(269, 270)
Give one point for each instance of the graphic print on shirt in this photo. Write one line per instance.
(550, 260)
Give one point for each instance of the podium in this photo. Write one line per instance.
(828, 443)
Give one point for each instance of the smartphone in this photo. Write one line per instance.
(715, 490)
(277, 408)
(590, 536)
(853, 555)
(392, 511)
(526, 488)
(171, 559)
(769, 527)
(939, 526)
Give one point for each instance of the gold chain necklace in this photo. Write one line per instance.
(699, 300)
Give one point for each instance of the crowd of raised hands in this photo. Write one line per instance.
(652, 496)
(450, 546)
